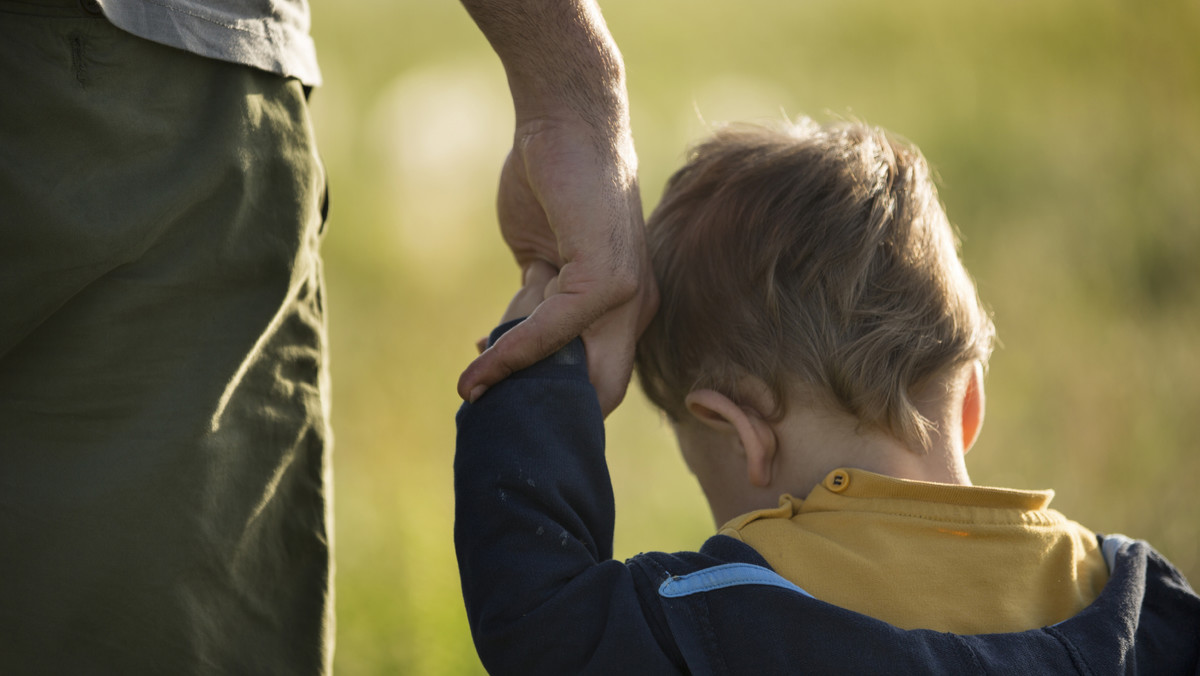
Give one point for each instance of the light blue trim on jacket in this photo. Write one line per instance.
(1110, 545)
(719, 577)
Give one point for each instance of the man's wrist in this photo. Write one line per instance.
(535, 108)
(559, 57)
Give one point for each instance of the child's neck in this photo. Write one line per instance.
(811, 445)
(814, 443)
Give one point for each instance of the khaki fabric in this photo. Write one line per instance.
(164, 476)
(919, 555)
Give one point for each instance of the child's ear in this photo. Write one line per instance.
(974, 403)
(754, 434)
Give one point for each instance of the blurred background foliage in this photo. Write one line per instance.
(1067, 139)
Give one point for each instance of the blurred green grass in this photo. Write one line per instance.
(1066, 138)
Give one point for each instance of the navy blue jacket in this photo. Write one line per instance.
(533, 532)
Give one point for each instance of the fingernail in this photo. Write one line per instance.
(477, 393)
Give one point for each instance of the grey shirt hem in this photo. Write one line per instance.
(270, 35)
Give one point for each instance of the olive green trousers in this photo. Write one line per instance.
(164, 470)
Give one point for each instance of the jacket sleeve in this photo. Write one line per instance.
(533, 532)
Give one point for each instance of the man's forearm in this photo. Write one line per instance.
(560, 60)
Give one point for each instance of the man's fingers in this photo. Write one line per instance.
(611, 343)
(539, 279)
(539, 274)
(610, 366)
(524, 345)
(553, 324)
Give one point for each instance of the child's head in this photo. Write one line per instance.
(817, 260)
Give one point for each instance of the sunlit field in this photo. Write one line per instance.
(1067, 140)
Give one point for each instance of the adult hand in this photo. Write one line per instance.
(571, 200)
(539, 284)
(568, 192)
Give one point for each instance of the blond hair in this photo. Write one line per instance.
(809, 255)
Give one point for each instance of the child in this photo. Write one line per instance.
(819, 350)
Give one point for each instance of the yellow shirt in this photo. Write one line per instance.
(919, 555)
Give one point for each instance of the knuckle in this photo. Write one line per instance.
(624, 284)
